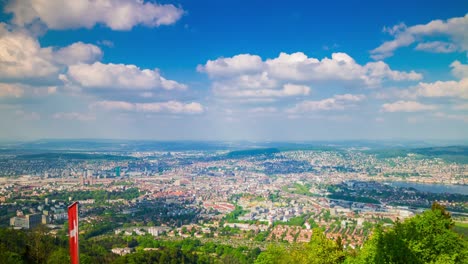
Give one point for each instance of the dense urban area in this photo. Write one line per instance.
(226, 201)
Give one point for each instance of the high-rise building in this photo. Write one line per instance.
(26, 221)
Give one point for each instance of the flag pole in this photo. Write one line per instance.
(73, 233)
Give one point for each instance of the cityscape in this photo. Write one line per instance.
(250, 197)
(233, 132)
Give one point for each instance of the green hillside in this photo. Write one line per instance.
(425, 238)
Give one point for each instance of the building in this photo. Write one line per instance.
(121, 251)
(45, 219)
(26, 221)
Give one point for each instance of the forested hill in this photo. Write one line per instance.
(458, 154)
(425, 238)
(240, 154)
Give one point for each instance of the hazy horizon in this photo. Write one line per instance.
(101, 144)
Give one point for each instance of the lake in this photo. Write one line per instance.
(433, 187)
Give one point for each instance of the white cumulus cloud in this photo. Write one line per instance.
(454, 29)
(237, 65)
(407, 106)
(337, 102)
(247, 75)
(340, 66)
(76, 66)
(78, 52)
(457, 89)
(119, 76)
(115, 14)
(298, 67)
(172, 107)
(459, 70)
(22, 57)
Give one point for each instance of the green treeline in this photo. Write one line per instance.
(457, 154)
(73, 156)
(35, 246)
(425, 238)
(232, 216)
(237, 154)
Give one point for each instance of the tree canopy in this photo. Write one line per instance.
(425, 238)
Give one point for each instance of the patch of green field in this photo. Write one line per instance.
(462, 229)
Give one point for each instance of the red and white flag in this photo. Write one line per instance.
(73, 232)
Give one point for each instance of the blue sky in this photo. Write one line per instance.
(234, 70)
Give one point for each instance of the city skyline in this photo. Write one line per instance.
(179, 70)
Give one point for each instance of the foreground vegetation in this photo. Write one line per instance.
(425, 238)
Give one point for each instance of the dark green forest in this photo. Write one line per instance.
(425, 238)
(457, 154)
